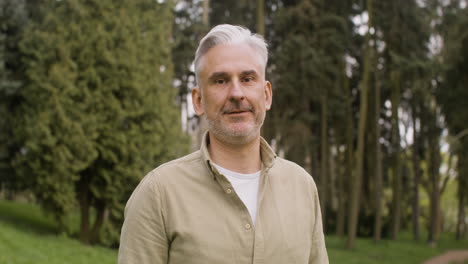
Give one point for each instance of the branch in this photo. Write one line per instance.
(461, 134)
(444, 184)
(447, 177)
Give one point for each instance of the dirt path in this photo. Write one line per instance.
(450, 257)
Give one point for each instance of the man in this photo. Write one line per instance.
(234, 200)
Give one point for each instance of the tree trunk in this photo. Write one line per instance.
(462, 166)
(206, 12)
(315, 163)
(324, 158)
(261, 17)
(378, 167)
(84, 215)
(435, 194)
(357, 177)
(416, 178)
(346, 179)
(396, 194)
(447, 174)
(433, 160)
(341, 211)
(332, 179)
(344, 176)
(101, 213)
(461, 225)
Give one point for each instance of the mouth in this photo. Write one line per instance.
(236, 112)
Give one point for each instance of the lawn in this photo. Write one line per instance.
(403, 251)
(28, 236)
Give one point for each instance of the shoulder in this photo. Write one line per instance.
(293, 168)
(176, 171)
(170, 174)
(290, 171)
(186, 162)
(287, 164)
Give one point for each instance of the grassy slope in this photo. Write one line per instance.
(27, 236)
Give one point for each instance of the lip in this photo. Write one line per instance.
(237, 113)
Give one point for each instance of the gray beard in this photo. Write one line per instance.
(234, 137)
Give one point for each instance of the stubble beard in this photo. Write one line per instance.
(230, 135)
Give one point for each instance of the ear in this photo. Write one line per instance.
(268, 95)
(197, 101)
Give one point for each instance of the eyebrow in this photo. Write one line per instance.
(249, 72)
(217, 75)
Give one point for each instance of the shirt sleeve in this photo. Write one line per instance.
(318, 252)
(143, 238)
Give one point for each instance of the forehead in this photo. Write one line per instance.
(231, 59)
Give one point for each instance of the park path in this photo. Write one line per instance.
(452, 256)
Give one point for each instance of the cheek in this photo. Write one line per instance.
(216, 99)
(211, 104)
(261, 99)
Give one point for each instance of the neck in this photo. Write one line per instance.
(241, 158)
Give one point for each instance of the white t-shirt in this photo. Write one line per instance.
(246, 187)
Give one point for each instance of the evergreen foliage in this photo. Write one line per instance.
(452, 94)
(99, 107)
(13, 18)
(307, 54)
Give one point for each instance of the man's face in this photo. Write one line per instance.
(232, 92)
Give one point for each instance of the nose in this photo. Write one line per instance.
(236, 92)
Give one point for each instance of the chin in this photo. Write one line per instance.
(238, 139)
(235, 136)
(234, 133)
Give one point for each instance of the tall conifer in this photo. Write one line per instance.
(100, 106)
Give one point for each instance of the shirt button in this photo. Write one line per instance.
(247, 226)
(228, 191)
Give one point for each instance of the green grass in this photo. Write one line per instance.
(28, 236)
(403, 251)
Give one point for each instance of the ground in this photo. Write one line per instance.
(452, 256)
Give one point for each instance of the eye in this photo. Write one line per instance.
(220, 81)
(248, 79)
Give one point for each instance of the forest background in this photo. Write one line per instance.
(369, 96)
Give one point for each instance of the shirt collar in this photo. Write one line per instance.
(267, 154)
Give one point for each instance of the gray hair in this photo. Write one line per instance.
(229, 34)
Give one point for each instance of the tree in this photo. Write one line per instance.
(308, 52)
(358, 170)
(190, 23)
(378, 174)
(261, 17)
(404, 27)
(242, 13)
(13, 18)
(99, 108)
(451, 94)
(433, 160)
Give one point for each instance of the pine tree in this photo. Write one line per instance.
(13, 19)
(308, 51)
(99, 109)
(451, 94)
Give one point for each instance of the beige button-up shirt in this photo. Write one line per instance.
(185, 212)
